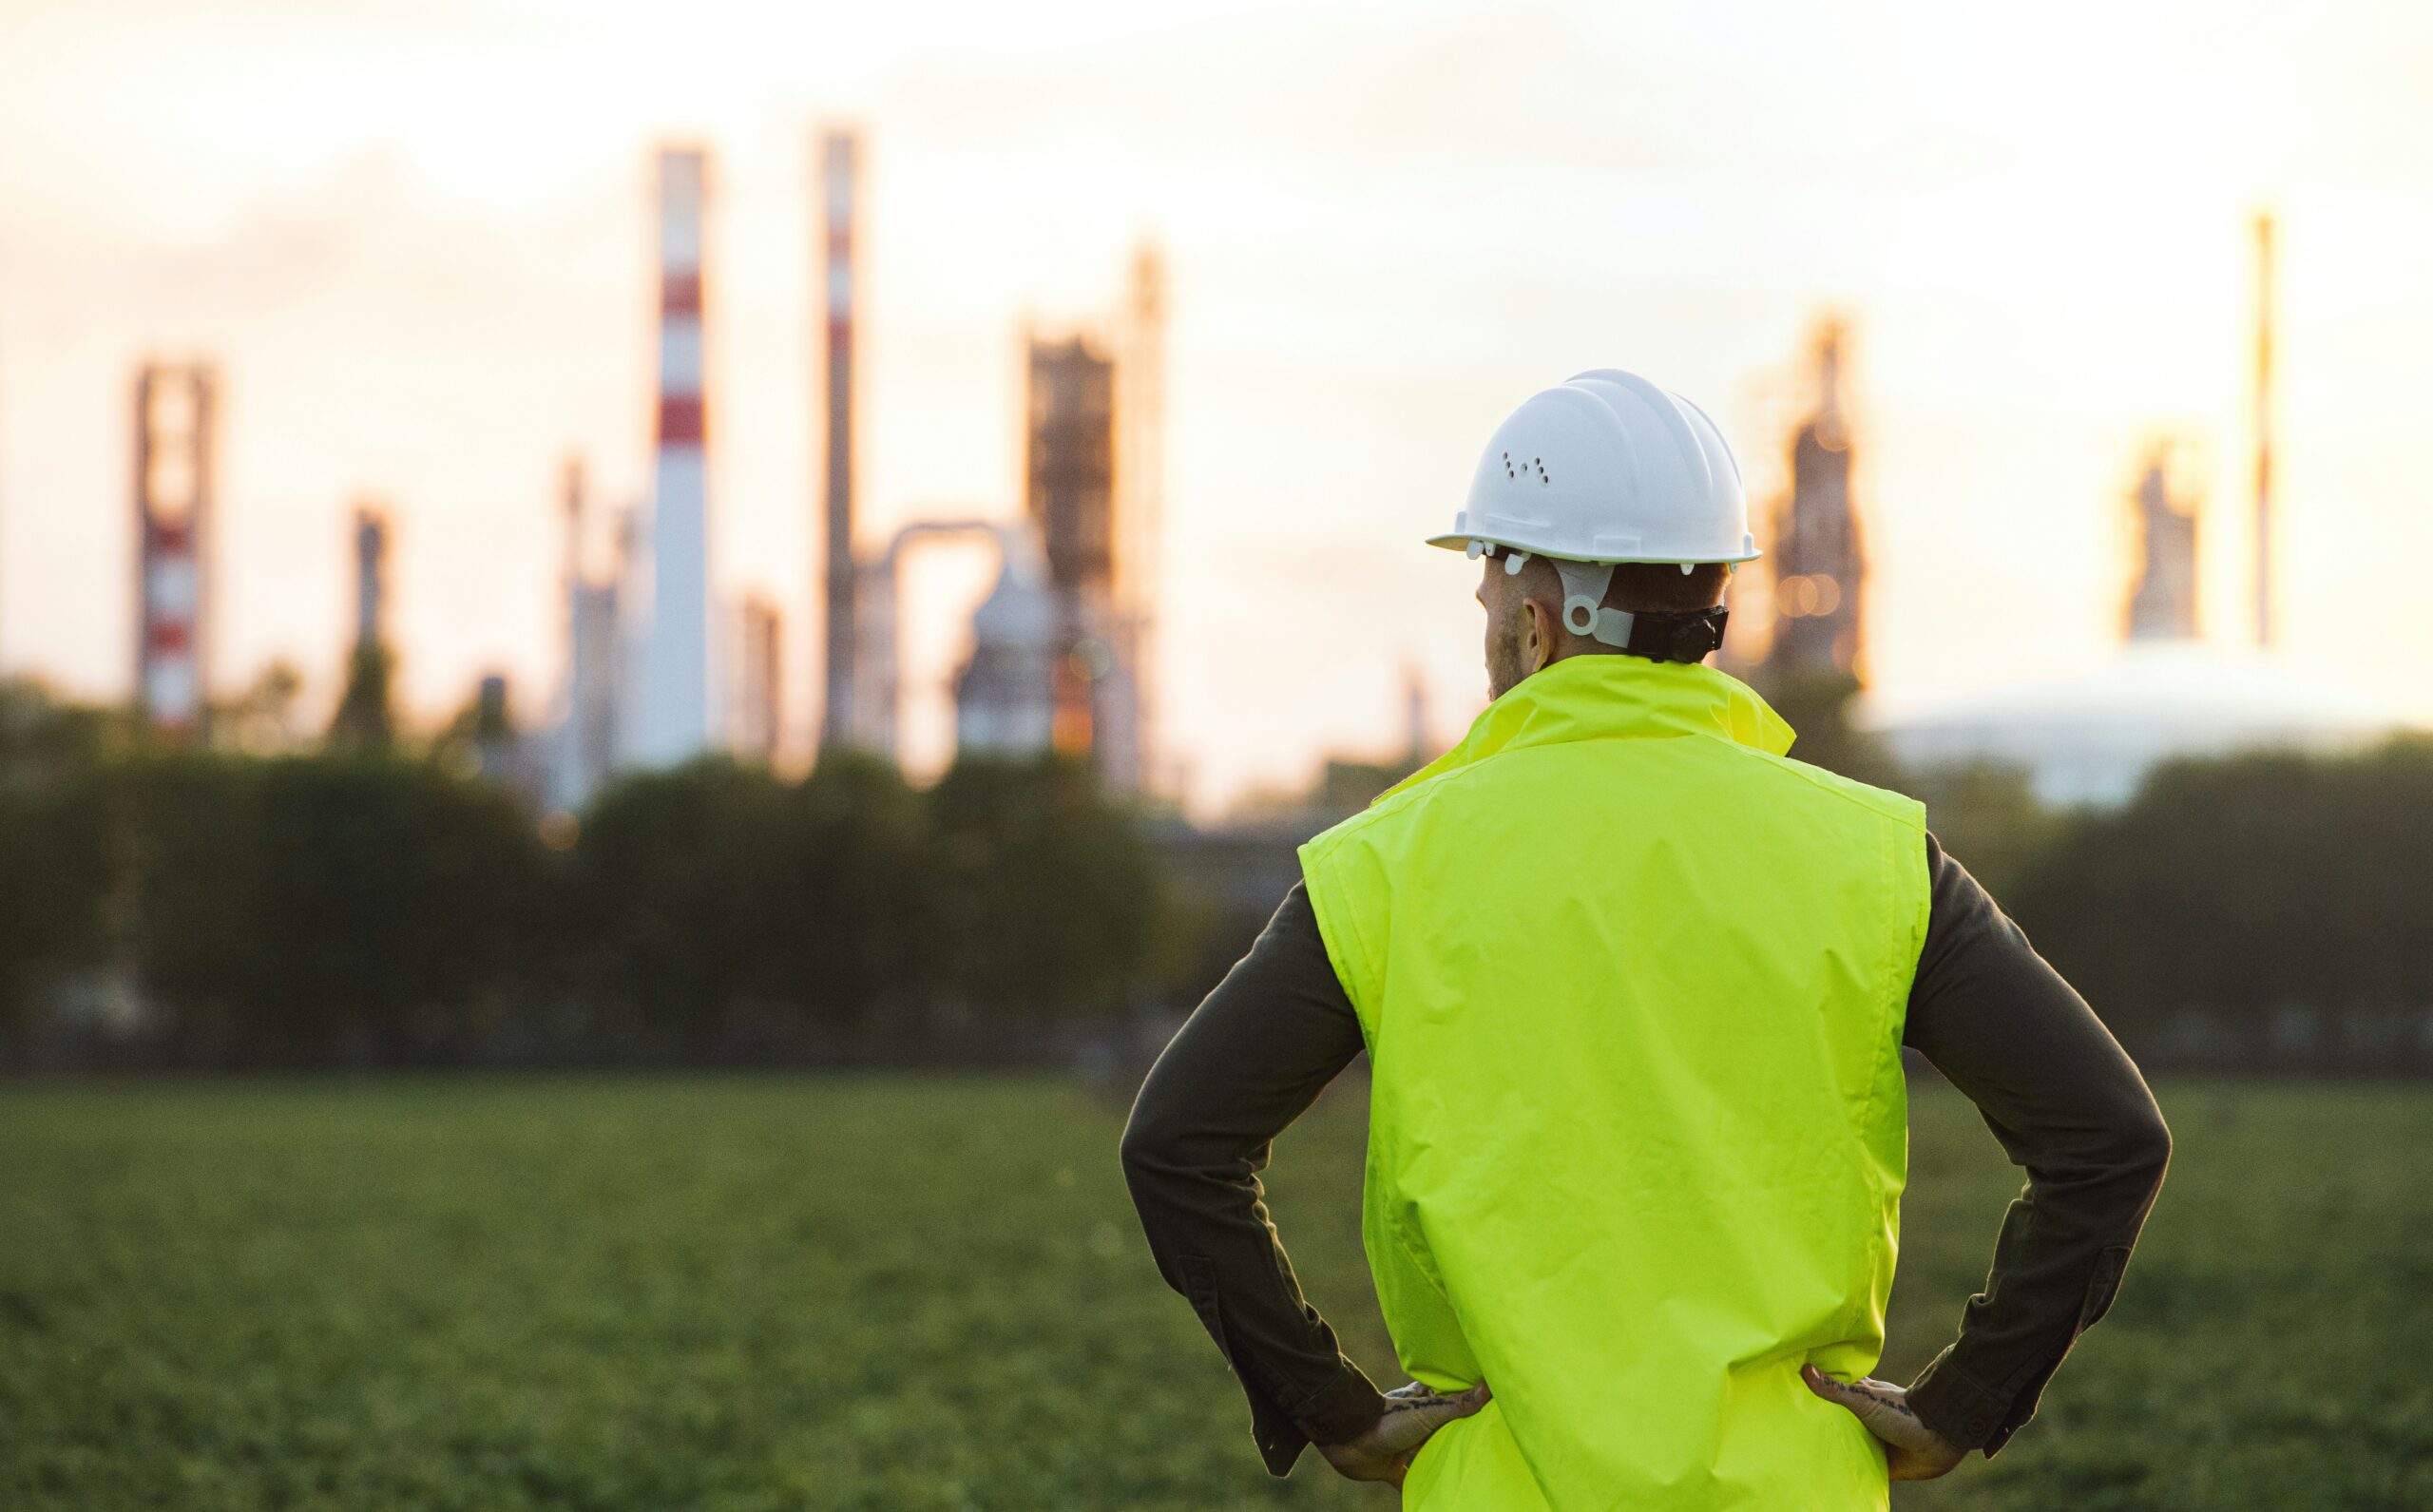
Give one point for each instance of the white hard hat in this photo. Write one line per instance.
(1607, 468)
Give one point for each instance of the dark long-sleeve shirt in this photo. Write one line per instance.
(2052, 1083)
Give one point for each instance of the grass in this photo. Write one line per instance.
(918, 1293)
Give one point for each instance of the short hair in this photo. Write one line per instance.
(1644, 587)
(1662, 587)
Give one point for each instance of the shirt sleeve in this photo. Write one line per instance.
(1252, 1058)
(2069, 1107)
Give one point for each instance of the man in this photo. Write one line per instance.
(1633, 987)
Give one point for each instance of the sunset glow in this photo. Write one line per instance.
(416, 242)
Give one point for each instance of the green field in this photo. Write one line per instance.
(929, 1294)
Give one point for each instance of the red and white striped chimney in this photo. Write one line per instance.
(673, 722)
(841, 721)
(173, 465)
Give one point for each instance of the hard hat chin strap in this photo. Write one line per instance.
(1584, 598)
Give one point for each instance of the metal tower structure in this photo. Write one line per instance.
(1069, 495)
(1819, 566)
(2162, 601)
(365, 720)
(587, 732)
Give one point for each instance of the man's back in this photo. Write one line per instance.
(1635, 990)
(1632, 985)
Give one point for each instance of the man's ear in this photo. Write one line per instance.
(1542, 629)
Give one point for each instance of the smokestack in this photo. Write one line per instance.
(1128, 750)
(173, 477)
(838, 154)
(2264, 430)
(570, 506)
(371, 574)
(673, 723)
(494, 729)
(759, 695)
(568, 776)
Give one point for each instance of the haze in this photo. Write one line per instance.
(415, 237)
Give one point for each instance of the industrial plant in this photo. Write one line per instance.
(2089, 737)
(656, 672)
(657, 669)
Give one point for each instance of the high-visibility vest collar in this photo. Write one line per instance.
(1605, 697)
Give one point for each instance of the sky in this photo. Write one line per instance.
(415, 237)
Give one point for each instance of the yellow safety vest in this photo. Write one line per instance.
(1632, 983)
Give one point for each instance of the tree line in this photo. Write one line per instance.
(371, 907)
(2262, 912)
(2271, 912)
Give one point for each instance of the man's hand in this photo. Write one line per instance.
(1412, 1413)
(1915, 1451)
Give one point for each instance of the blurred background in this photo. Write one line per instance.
(646, 542)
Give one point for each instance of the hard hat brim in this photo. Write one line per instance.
(1460, 540)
